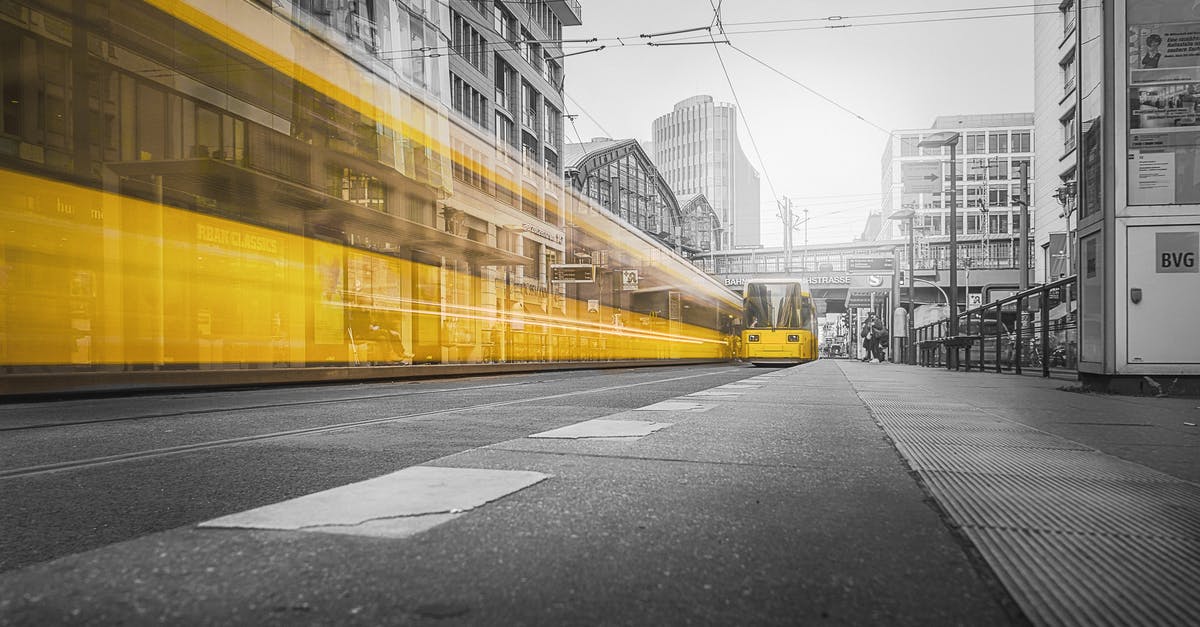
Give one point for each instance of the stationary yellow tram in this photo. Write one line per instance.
(779, 323)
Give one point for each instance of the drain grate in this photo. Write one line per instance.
(1075, 536)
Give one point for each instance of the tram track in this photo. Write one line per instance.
(43, 469)
(218, 410)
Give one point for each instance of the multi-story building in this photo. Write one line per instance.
(506, 92)
(991, 149)
(697, 149)
(1055, 76)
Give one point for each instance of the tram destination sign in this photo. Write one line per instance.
(870, 265)
(572, 273)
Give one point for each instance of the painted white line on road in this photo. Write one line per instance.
(718, 393)
(395, 505)
(737, 386)
(676, 406)
(601, 428)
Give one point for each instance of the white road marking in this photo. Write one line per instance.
(602, 428)
(676, 406)
(395, 505)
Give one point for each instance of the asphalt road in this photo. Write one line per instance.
(81, 474)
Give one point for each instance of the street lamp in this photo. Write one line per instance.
(909, 214)
(937, 140)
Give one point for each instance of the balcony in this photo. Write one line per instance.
(569, 12)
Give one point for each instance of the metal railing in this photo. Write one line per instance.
(1037, 329)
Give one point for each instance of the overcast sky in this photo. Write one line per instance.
(893, 75)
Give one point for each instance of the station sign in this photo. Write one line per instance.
(572, 273)
(870, 265)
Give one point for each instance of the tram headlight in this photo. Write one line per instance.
(753, 337)
(793, 337)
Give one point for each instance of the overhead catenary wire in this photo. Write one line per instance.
(839, 22)
(742, 111)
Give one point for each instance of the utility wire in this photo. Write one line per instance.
(811, 90)
(590, 117)
(745, 119)
(838, 18)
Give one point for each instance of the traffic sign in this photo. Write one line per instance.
(572, 273)
(921, 177)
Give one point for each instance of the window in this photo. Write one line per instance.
(505, 131)
(998, 142)
(975, 143)
(467, 101)
(998, 197)
(1068, 73)
(1068, 128)
(998, 223)
(469, 44)
(1021, 141)
(1068, 16)
(998, 169)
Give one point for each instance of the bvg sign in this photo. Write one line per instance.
(1177, 252)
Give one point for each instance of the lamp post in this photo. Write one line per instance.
(937, 140)
(908, 214)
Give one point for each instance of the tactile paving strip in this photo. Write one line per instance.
(1027, 462)
(1077, 537)
(1157, 576)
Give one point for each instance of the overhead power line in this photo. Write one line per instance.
(811, 90)
(762, 164)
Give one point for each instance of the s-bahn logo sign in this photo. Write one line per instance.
(629, 280)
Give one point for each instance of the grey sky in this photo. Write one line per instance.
(894, 75)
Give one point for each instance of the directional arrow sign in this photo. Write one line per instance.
(921, 177)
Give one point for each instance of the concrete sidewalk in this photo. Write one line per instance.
(786, 498)
(1086, 506)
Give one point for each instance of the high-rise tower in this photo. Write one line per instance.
(697, 150)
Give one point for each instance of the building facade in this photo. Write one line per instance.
(696, 147)
(619, 176)
(990, 152)
(1055, 74)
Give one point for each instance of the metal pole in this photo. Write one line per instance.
(1024, 263)
(952, 357)
(787, 235)
(804, 253)
(892, 306)
(912, 303)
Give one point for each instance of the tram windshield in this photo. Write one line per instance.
(777, 306)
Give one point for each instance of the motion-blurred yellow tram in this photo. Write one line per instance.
(779, 324)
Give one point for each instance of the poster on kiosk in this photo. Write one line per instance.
(1139, 235)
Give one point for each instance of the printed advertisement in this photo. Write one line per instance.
(1165, 106)
(1162, 53)
(1164, 103)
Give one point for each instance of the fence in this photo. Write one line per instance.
(1037, 329)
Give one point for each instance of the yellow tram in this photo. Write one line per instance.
(779, 325)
